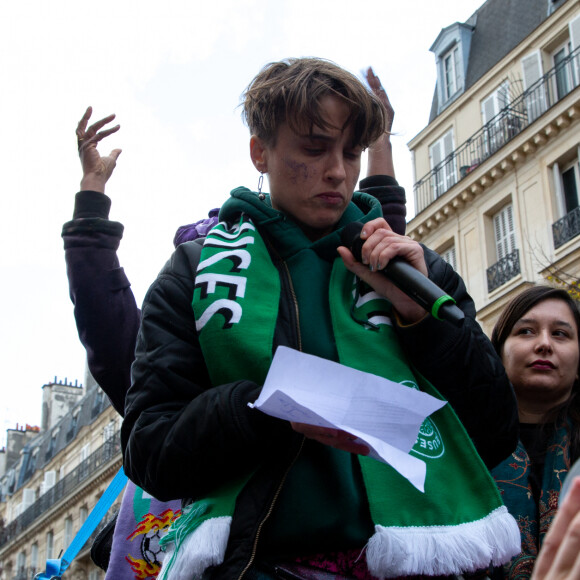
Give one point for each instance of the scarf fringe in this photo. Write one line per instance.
(443, 550)
(204, 547)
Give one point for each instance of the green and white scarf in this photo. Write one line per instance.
(458, 525)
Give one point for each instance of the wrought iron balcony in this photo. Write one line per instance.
(503, 271)
(566, 228)
(509, 122)
(109, 451)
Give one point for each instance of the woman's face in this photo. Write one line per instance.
(541, 354)
(312, 177)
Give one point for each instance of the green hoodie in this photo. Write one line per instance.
(322, 506)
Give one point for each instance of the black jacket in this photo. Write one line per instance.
(182, 437)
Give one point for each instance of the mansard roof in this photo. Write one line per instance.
(499, 26)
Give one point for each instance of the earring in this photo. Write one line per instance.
(260, 183)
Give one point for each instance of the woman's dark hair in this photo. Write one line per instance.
(513, 312)
(291, 90)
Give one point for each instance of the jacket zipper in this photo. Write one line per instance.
(279, 489)
(269, 513)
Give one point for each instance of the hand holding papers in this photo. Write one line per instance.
(384, 415)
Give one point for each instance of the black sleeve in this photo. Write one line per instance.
(462, 364)
(391, 197)
(182, 437)
(105, 310)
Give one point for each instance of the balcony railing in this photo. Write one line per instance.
(110, 450)
(509, 122)
(503, 271)
(566, 228)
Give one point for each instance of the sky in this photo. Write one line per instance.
(173, 73)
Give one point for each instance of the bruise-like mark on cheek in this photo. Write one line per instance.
(297, 171)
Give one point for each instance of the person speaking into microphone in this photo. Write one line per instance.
(270, 498)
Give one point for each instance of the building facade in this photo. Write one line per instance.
(496, 169)
(52, 478)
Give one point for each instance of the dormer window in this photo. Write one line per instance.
(451, 68)
(451, 49)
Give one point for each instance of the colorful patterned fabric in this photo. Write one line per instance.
(513, 478)
(142, 522)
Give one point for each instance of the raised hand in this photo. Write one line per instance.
(380, 152)
(376, 86)
(96, 168)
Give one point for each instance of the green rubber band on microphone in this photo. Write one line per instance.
(440, 302)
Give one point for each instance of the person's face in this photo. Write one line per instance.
(312, 177)
(541, 353)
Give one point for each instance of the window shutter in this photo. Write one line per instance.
(532, 69)
(574, 27)
(450, 174)
(435, 154)
(447, 144)
(503, 96)
(450, 257)
(458, 69)
(488, 111)
(497, 226)
(48, 482)
(511, 234)
(28, 498)
(437, 178)
(505, 237)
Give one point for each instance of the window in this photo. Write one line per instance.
(451, 72)
(570, 180)
(98, 403)
(450, 257)
(21, 562)
(68, 532)
(49, 545)
(566, 174)
(73, 426)
(83, 514)
(108, 431)
(442, 164)
(564, 74)
(507, 265)
(503, 227)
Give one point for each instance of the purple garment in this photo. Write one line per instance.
(197, 230)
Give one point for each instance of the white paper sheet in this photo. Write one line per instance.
(384, 415)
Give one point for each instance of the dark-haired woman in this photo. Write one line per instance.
(537, 337)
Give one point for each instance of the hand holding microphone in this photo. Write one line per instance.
(409, 280)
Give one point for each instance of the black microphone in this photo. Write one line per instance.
(409, 280)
